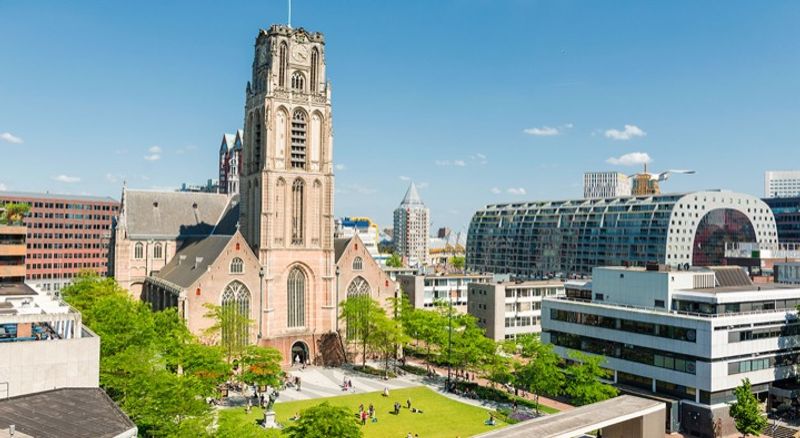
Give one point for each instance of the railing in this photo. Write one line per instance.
(674, 312)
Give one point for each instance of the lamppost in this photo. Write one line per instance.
(260, 299)
(336, 306)
(449, 336)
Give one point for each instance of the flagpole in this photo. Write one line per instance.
(290, 13)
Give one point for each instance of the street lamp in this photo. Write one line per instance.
(260, 299)
(336, 316)
(449, 336)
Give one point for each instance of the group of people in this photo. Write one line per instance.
(398, 406)
(368, 413)
(347, 385)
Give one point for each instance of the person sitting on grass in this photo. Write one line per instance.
(386, 391)
(296, 417)
(490, 421)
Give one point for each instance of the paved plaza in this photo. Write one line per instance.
(318, 382)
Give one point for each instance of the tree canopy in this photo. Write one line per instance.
(323, 421)
(583, 379)
(746, 411)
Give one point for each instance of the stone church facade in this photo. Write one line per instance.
(287, 187)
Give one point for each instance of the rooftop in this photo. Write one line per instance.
(66, 413)
(65, 197)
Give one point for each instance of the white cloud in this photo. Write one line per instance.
(481, 156)
(405, 178)
(144, 177)
(423, 185)
(496, 190)
(3, 187)
(517, 191)
(121, 151)
(10, 138)
(544, 131)
(110, 177)
(628, 133)
(459, 163)
(631, 159)
(154, 154)
(442, 162)
(66, 179)
(340, 166)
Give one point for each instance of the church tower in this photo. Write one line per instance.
(286, 209)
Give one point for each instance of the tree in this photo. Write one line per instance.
(323, 421)
(394, 261)
(746, 411)
(541, 374)
(583, 380)
(261, 366)
(458, 262)
(388, 336)
(359, 313)
(13, 213)
(229, 330)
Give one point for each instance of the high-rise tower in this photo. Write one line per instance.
(411, 226)
(287, 188)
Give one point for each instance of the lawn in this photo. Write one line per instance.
(442, 416)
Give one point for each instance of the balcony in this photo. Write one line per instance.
(13, 250)
(12, 270)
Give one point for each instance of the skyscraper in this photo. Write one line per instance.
(606, 185)
(411, 225)
(287, 186)
(781, 183)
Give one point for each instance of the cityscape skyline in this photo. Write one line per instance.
(586, 100)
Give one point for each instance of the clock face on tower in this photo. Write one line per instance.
(300, 53)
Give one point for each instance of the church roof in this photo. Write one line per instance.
(228, 223)
(171, 215)
(339, 246)
(412, 197)
(192, 260)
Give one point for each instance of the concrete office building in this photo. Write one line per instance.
(787, 273)
(12, 254)
(548, 238)
(411, 227)
(606, 185)
(689, 337)
(787, 218)
(510, 309)
(781, 183)
(67, 234)
(424, 291)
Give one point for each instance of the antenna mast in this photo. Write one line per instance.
(290, 13)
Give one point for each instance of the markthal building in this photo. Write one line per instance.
(568, 238)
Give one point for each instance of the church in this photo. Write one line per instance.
(268, 252)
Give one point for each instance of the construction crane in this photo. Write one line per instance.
(647, 183)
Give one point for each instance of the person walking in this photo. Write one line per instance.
(408, 403)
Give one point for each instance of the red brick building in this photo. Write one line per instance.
(66, 235)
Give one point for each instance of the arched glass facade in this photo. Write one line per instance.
(717, 228)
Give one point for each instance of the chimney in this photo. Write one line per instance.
(181, 258)
(197, 261)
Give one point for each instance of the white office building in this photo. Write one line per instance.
(606, 185)
(411, 226)
(685, 336)
(426, 291)
(781, 183)
(508, 309)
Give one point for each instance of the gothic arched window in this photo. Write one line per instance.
(235, 315)
(138, 251)
(298, 81)
(237, 266)
(358, 264)
(158, 252)
(314, 69)
(359, 291)
(299, 136)
(257, 142)
(297, 212)
(282, 64)
(296, 288)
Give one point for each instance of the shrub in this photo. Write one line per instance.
(374, 371)
(413, 369)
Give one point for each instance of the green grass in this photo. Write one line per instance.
(442, 416)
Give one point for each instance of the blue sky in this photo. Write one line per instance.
(477, 101)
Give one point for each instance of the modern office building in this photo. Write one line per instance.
(425, 291)
(67, 234)
(230, 162)
(781, 183)
(367, 231)
(507, 309)
(787, 218)
(787, 273)
(606, 185)
(12, 254)
(552, 238)
(411, 227)
(43, 344)
(685, 336)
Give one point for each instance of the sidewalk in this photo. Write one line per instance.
(544, 401)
